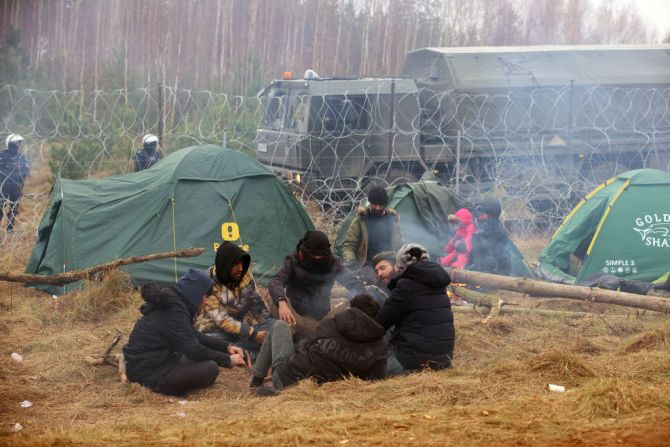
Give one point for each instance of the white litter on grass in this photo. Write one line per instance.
(54, 297)
(26, 404)
(181, 414)
(552, 388)
(17, 427)
(183, 402)
(17, 357)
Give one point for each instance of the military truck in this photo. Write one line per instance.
(535, 121)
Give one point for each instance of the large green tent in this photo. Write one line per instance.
(620, 228)
(196, 196)
(424, 207)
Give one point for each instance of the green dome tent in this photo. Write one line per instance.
(196, 196)
(424, 207)
(620, 228)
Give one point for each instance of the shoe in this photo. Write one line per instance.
(256, 382)
(264, 391)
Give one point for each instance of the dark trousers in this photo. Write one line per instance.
(12, 200)
(188, 375)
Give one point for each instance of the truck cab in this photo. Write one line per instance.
(334, 132)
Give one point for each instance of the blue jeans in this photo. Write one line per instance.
(393, 366)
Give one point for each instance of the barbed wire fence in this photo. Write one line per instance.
(539, 150)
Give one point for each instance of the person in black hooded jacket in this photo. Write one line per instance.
(349, 343)
(164, 352)
(420, 310)
(306, 280)
(489, 243)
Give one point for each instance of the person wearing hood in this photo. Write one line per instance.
(489, 243)
(459, 247)
(149, 155)
(374, 230)
(420, 310)
(349, 343)
(301, 289)
(234, 310)
(14, 169)
(164, 352)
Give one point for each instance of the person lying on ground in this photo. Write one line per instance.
(302, 288)
(458, 249)
(234, 311)
(420, 310)
(349, 343)
(164, 352)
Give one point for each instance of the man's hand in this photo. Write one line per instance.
(237, 360)
(260, 337)
(285, 313)
(232, 350)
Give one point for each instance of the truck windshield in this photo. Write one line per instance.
(274, 104)
(339, 112)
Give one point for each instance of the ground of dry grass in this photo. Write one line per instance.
(616, 369)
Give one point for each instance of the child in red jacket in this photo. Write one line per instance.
(460, 245)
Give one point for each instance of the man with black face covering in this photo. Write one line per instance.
(149, 155)
(234, 310)
(13, 172)
(373, 231)
(301, 289)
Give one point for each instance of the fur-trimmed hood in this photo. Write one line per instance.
(363, 212)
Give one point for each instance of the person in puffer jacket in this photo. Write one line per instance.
(420, 312)
(164, 352)
(349, 343)
(459, 247)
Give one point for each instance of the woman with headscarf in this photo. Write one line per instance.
(459, 247)
(420, 312)
(303, 284)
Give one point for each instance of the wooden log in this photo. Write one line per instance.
(547, 289)
(529, 311)
(76, 275)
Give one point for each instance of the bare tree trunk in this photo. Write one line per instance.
(546, 289)
(88, 273)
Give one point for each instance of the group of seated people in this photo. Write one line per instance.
(216, 317)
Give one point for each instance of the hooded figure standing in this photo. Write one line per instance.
(149, 155)
(420, 310)
(234, 311)
(301, 289)
(459, 247)
(489, 243)
(14, 169)
(164, 352)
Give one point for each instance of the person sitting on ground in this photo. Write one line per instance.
(489, 253)
(302, 288)
(149, 155)
(385, 270)
(14, 169)
(459, 247)
(234, 311)
(374, 230)
(420, 310)
(164, 352)
(349, 343)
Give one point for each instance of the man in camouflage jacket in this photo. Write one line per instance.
(234, 311)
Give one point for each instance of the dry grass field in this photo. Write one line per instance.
(613, 361)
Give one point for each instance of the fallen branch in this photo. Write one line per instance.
(89, 273)
(528, 311)
(546, 289)
(105, 358)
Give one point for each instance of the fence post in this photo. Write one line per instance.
(161, 117)
(458, 160)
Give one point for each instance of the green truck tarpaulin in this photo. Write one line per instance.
(195, 197)
(620, 228)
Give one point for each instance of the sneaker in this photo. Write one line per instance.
(264, 391)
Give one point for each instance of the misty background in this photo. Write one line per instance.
(237, 46)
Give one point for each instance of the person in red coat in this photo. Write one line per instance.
(459, 247)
